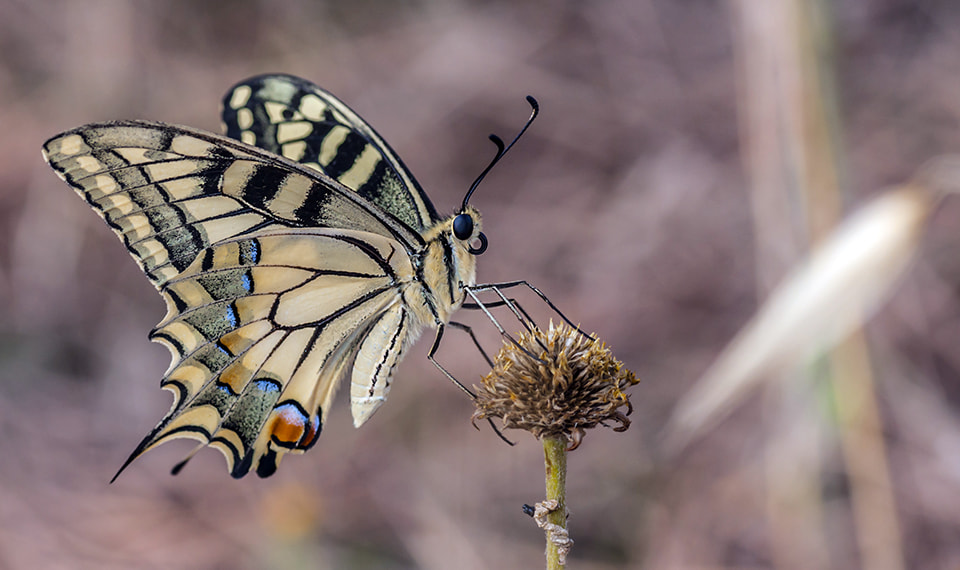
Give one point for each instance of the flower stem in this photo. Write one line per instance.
(555, 461)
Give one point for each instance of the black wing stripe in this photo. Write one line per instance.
(397, 335)
(347, 154)
(295, 118)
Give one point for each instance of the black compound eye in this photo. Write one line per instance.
(463, 226)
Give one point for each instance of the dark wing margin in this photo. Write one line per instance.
(296, 119)
(168, 192)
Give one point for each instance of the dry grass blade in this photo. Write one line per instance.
(824, 300)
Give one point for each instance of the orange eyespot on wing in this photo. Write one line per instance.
(291, 427)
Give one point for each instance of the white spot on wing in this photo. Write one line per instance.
(312, 107)
(295, 150)
(240, 96)
(332, 142)
(190, 146)
(274, 111)
(245, 118)
(72, 145)
(287, 132)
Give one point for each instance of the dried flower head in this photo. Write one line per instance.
(558, 383)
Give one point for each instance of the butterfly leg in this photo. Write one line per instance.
(478, 304)
(525, 320)
(430, 357)
(509, 284)
(433, 351)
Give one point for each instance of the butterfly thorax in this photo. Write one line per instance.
(444, 268)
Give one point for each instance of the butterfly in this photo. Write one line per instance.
(294, 251)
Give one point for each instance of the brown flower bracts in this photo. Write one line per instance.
(558, 382)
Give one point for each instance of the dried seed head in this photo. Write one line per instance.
(573, 384)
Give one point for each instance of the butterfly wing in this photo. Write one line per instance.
(262, 327)
(169, 191)
(274, 277)
(296, 119)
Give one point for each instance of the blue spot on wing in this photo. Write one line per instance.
(254, 254)
(267, 385)
(232, 316)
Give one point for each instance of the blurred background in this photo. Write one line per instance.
(687, 154)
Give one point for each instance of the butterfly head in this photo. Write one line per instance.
(466, 228)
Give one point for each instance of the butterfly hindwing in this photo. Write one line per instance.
(379, 352)
(296, 119)
(261, 328)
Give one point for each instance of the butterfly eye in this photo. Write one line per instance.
(463, 226)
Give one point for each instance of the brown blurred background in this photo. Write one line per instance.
(631, 202)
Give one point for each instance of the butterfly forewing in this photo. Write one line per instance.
(170, 191)
(296, 119)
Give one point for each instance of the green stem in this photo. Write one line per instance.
(555, 461)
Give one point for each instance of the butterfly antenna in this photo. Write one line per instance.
(501, 150)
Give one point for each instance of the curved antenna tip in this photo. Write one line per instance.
(502, 149)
